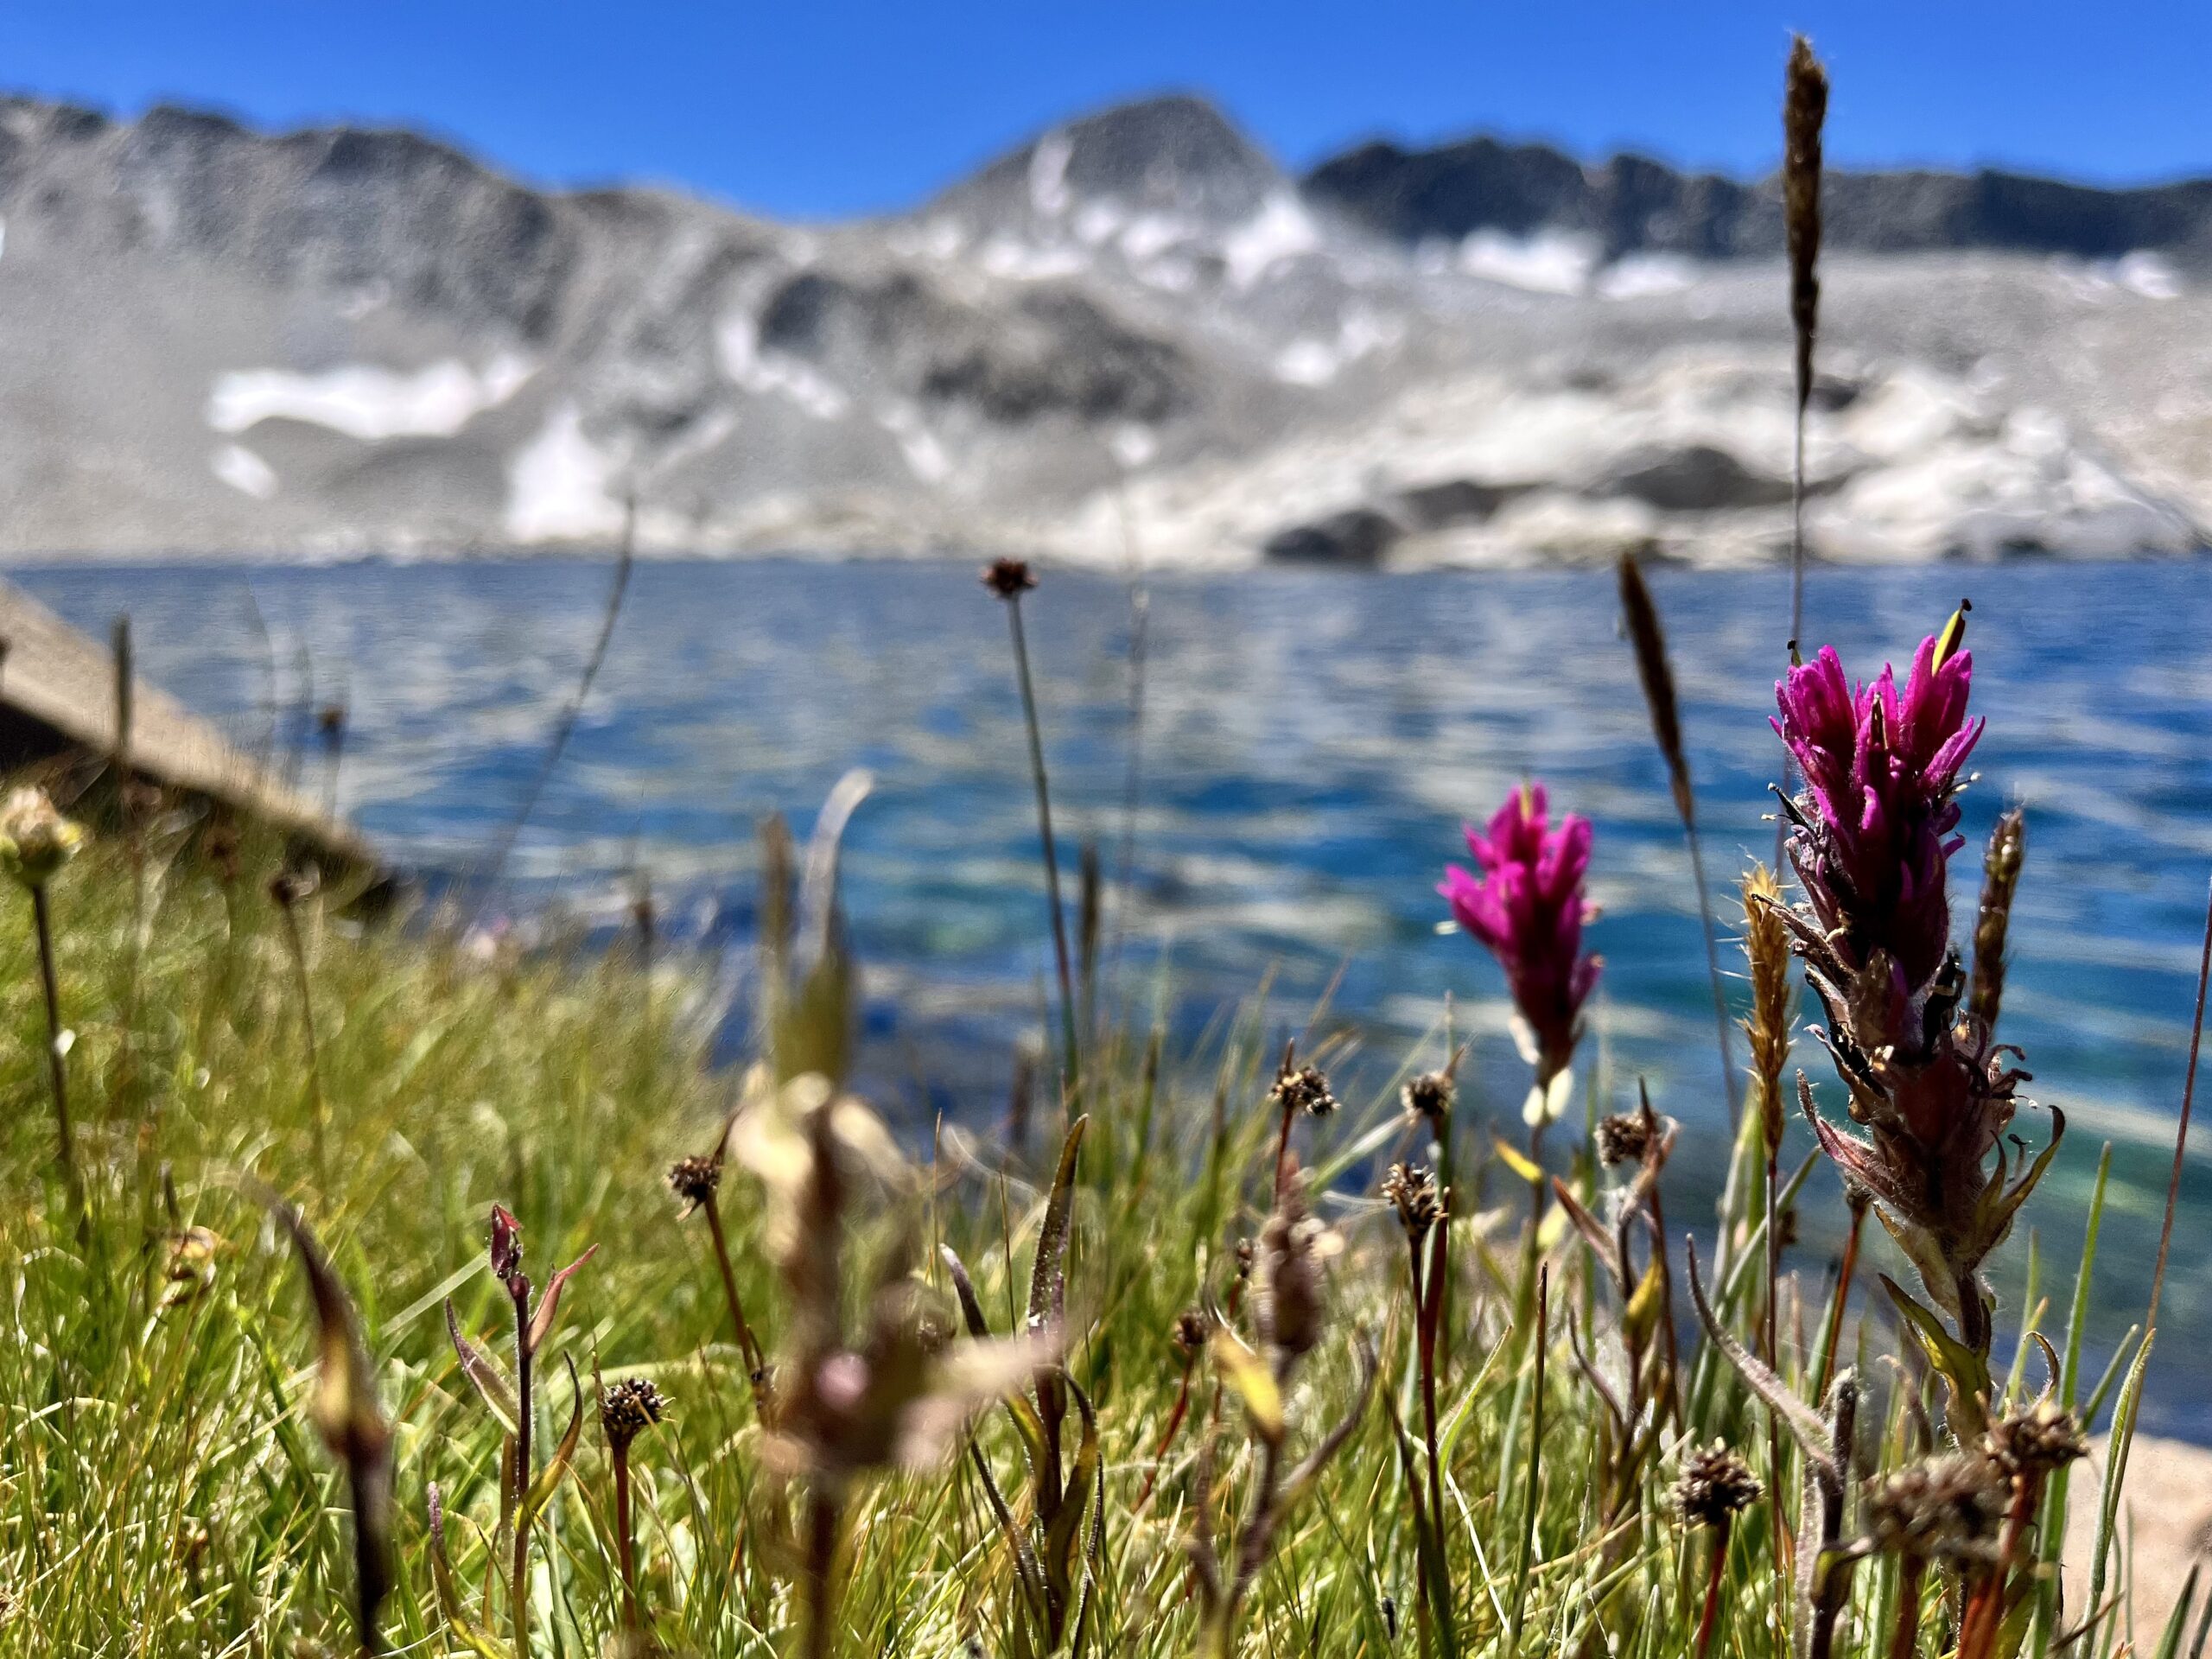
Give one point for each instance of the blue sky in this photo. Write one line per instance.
(817, 108)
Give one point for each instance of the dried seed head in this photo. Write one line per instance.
(1766, 945)
(1189, 1334)
(1245, 1254)
(1715, 1485)
(1804, 109)
(1623, 1138)
(1411, 1190)
(2000, 876)
(1009, 578)
(1657, 676)
(1430, 1097)
(627, 1409)
(694, 1181)
(35, 841)
(2035, 1440)
(1945, 1508)
(1287, 1276)
(1303, 1089)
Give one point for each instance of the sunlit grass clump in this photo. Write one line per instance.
(381, 1288)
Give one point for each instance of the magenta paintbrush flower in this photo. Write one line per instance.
(1528, 908)
(1874, 829)
(1870, 835)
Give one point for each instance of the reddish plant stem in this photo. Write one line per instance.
(519, 1585)
(1842, 1295)
(1167, 1436)
(624, 1545)
(1709, 1620)
(1985, 1615)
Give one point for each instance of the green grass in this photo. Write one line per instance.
(163, 1490)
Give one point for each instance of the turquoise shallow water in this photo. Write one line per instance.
(1310, 742)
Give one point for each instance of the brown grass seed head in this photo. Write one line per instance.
(1430, 1097)
(2035, 1440)
(694, 1181)
(1009, 578)
(1304, 1089)
(1944, 1509)
(1411, 1190)
(1623, 1138)
(1715, 1484)
(629, 1407)
(1189, 1332)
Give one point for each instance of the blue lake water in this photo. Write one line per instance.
(1310, 741)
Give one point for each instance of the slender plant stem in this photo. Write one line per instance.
(1427, 1306)
(1182, 1410)
(57, 1070)
(1798, 525)
(1775, 1494)
(1133, 781)
(1533, 1479)
(1835, 1337)
(2181, 1135)
(368, 1489)
(127, 813)
(1044, 828)
(565, 727)
(1904, 1635)
(1672, 1402)
(1796, 599)
(625, 1544)
(1728, 1091)
(1709, 1620)
(518, 1586)
(297, 947)
(822, 1521)
(749, 1345)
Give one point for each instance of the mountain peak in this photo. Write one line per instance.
(1173, 153)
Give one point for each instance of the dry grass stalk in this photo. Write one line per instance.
(2008, 845)
(1766, 946)
(1009, 579)
(288, 890)
(565, 727)
(1804, 110)
(1657, 674)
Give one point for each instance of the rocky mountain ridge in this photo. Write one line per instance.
(1136, 331)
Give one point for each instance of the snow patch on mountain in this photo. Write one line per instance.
(1281, 230)
(366, 401)
(775, 374)
(244, 471)
(1550, 262)
(559, 484)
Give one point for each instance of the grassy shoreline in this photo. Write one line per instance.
(162, 1490)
